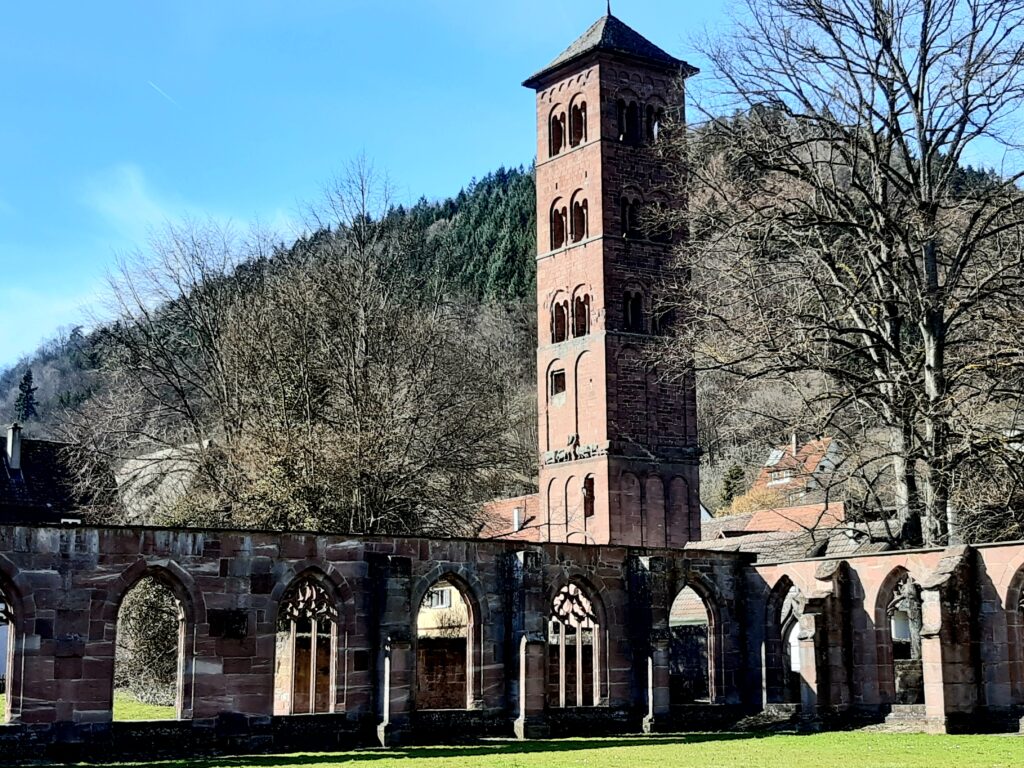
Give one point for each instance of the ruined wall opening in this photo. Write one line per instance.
(305, 658)
(6, 655)
(149, 653)
(900, 620)
(574, 649)
(445, 628)
(691, 652)
(781, 645)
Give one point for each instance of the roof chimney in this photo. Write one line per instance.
(793, 444)
(14, 446)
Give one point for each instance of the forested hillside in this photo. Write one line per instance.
(374, 375)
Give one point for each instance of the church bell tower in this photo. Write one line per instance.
(618, 444)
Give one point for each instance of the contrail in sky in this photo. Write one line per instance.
(159, 90)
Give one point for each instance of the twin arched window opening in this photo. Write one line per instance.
(563, 132)
(636, 124)
(578, 321)
(565, 228)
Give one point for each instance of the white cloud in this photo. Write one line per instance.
(123, 199)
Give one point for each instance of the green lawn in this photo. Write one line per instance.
(840, 750)
(127, 707)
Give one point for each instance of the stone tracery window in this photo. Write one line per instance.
(574, 654)
(307, 636)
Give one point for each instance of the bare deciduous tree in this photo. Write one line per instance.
(836, 237)
(328, 386)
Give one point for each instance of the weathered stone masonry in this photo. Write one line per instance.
(64, 586)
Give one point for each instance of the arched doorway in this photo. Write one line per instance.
(899, 621)
(149, 653)
(781, 644)
(691, 649)
(305, 661)
(574, 648)
(446, 626)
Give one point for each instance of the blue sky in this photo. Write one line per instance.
(119, 115)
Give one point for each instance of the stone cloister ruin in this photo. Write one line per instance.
(603, 612)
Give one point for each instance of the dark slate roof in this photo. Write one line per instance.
(41, 490)
(611, 35)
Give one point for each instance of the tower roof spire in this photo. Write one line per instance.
(609, 34)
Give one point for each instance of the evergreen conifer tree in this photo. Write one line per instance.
(733, 484)
(25, 404)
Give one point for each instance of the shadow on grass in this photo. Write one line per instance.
(487, 748)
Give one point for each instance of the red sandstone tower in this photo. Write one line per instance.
(618, 445)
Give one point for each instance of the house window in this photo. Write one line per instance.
(557, 386)
(438, 598)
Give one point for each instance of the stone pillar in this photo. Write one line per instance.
(395, 667)
(810, 671)
(650, 600)
(529, 624)
(931, 660)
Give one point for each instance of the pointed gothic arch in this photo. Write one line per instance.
(576, 669)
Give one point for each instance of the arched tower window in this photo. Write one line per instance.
(580, 219)
(578, 123)
(633, 311)
(307, 636)
(559, 225)
(574, 656)
(581, 315)
(559, 321)
(629, 212)
(588, 496)
(556, 133)
(632, 128)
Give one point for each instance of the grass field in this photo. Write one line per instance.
(831, 750)
(127, 707)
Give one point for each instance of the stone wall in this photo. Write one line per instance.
(65, 585)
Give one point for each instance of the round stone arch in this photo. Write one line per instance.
(192, 607)
(884, 656)
(475, 596)
(346, 627)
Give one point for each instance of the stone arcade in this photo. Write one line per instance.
(611, 619)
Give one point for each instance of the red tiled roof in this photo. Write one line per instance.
(803, 464)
